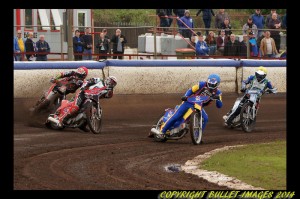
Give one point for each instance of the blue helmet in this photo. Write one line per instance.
(213, 81)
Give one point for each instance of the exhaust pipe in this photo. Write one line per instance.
(155, 131)
(51, 119)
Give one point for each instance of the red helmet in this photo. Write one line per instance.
(82, 72)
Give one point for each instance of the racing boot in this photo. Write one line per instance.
(84, 127)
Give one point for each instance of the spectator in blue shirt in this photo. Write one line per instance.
(187, 19)
(259, 21)
(78, 44)
(201, 46)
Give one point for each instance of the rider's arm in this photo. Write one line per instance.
(247, 81)
(65, 74)
(219, 102)
(270, 85)
(194, 89)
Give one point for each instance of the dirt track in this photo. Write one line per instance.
(123, 157)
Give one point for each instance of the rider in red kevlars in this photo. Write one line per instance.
(78, 76)
(64, 82)
(109, 83)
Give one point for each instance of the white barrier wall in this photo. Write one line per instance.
(155, 80)
(148, 80)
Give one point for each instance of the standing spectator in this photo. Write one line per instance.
(30, 47)
(250, 27)
(207, 13)
(43, 49)
(274, 23)
(243, 46)
(169, 14)
(187, 19)
(269, 17)
(103, 46)
(118, 44)
(201, 47)
(19, 46)
(108, 39)
(88, 45)
(259, 42)
(267, 46)
(253, 45)
(227, 27)
(179, 13)
(211, 43)
(284, 21)
(78, 45)
(221, 41)
(220, 17)
(259, 21)
(163, 18)
(232, 47)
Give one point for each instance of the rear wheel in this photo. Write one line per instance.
(196, 128)
(247, 119)
(94, 118)
(159, 138)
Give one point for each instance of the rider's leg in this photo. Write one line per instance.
(205, 119)
(177, 115)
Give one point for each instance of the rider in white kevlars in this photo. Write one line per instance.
(257, 81)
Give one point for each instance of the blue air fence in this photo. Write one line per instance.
(148, 76)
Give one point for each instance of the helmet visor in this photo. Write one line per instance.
(212, 83)
(260, 75)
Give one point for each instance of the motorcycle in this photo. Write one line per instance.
(90, 112)
(53, 97)
(191, 121)
(249, 104)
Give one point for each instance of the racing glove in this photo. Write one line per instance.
(53, 80)
(184, 98)
(215, 97)
(243, 90)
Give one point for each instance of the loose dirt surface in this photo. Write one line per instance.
(122, 157)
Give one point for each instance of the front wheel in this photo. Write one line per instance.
(196, 128)
(94, 118)
(248, 120)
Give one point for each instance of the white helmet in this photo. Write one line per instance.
(111, 81)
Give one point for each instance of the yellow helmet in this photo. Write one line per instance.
(261, 68)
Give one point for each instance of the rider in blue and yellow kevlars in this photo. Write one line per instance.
(203, 88)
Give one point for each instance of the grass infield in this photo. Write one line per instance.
(260, 165)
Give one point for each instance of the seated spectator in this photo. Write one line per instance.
(193, 39)
(232, 47)
(201, 47)
(221, 41)
(267, 46)
(211, 43)
(227, 27)
(250, 27)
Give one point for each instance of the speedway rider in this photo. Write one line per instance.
(203, 88)
(257, 81)
(109, 82)
(75, 77)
